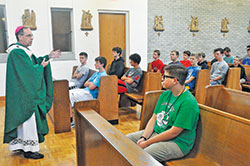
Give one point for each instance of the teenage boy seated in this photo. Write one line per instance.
(219, 69)
(246, 56)
(185, 62)
(130, 80)
(228, 55)
(157, 65)
(236, 63)
(246, 60)
(81, 73)
(202, 62)
(192, 72)
(92, 86)
(117, 66)
(174, 55)
(170, 133)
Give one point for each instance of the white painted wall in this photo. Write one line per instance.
(42, 44)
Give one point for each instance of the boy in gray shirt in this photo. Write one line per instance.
(219, 69)
(81, 73)
(130, 80)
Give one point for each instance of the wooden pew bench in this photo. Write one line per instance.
(247, 70)
(60, 114)
(203, 79)
(100, 144)
(228, 100)
(222, 138)
(149, 81)
(233, 79)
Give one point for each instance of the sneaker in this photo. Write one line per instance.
(72, 124)
(33, 155)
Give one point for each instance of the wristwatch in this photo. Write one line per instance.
(143, 137)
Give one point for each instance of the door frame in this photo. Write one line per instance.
(126, 12)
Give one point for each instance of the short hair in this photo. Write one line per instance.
(237, 57)
(136, 58)
(83, 54)
(21, 32)
(187, 52)
(158, 52)
(176, 52)
(227, 49)
(202, 54)
(178, 71)
(248, 46)
(102, 60)
(118, 50)
(219, 49)
(195, 56)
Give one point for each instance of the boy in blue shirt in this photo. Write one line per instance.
(92, 86)
(246, 61)
(192, 72)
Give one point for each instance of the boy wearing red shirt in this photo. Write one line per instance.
(157, 65)
(185, 62)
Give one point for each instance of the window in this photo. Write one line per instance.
(62, 31)
(3, 34)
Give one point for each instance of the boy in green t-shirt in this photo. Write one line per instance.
(171, 131)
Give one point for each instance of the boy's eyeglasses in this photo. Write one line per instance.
(166, 76)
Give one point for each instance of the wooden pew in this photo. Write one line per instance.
(149, 67)
(59, 114)
(203, 79)
(228, 100)
(233, 78)
(100, 144)
(107, 100)
(222, 138)
(150, 81)
(247, 70)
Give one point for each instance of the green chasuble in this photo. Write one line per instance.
(29, 89)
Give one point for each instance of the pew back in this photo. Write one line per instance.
(100, 144)
(59, 114)
(107, 99)
(229, 100)
(233, 78)
(203, 79)
(247, 69)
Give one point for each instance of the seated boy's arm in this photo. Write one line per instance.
(190, 79)
(74, 75)
(164, 136)
(216, 79)
(79, 76)
(86, 84)
(158, 71)
(91, 86)
(127, 79)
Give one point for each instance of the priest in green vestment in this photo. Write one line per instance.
(29, 95)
